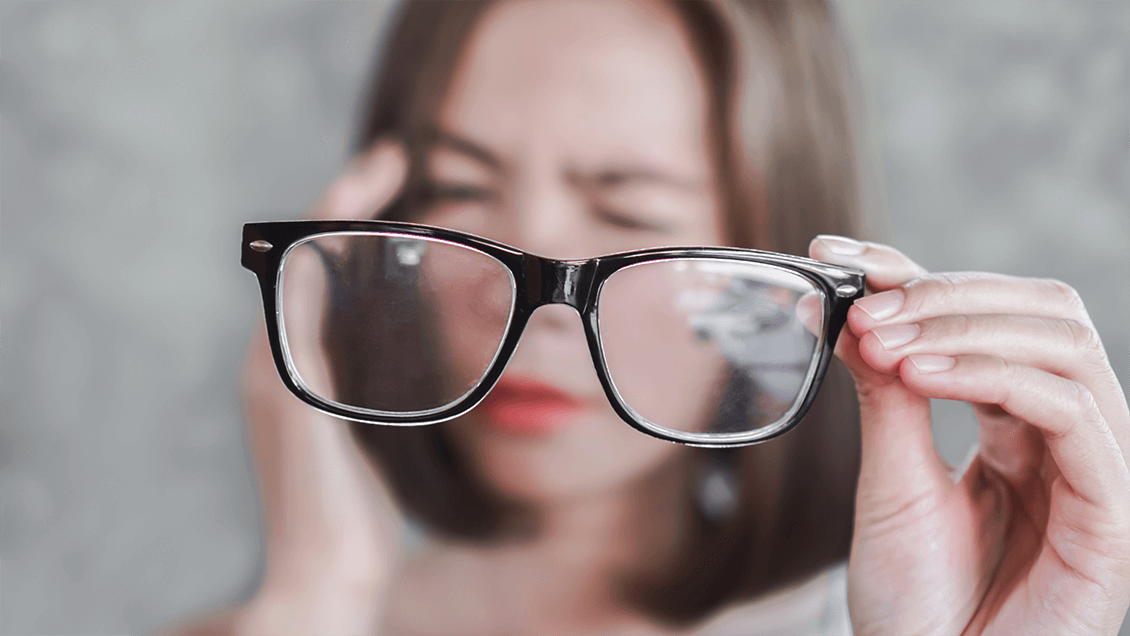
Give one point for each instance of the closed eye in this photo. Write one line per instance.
(624, 221)
(439, 192)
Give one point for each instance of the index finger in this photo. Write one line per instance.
(372, 181)
(886, 267)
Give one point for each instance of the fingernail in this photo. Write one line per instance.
(882, 305)
(931, 364)
(894, 336)
(841, 245)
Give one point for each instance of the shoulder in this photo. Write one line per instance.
(817, 607)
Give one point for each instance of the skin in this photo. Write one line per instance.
(1029, 537)
(567, 165)
(560, 121)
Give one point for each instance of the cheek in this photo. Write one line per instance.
(662, 371)
(660, 366)
(598, 454)
(470, 297)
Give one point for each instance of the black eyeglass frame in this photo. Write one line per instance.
(542, 281)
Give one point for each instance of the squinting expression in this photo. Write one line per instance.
(571, 129)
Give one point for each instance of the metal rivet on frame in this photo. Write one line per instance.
(846, 290)
(261, 246)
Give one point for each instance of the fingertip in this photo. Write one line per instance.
(924, 374)
(884, 266)
(345, 199)
(926, 364)
(389, 156)
(848, 352)
(876, 356)
(859, 321)
(836, 249)
(385, 167)
(373, 179)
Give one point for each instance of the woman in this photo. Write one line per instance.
(519, 121)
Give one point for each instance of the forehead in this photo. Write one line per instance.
(590, 80)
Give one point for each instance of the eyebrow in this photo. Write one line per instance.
(468, 148)
(600, 179)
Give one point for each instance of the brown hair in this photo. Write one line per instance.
(784, 146)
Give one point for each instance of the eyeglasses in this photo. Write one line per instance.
(396, 323)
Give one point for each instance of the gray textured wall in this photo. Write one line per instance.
(136, 138)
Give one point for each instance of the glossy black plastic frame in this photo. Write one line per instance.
(542, 281)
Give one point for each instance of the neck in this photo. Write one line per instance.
(591, 544)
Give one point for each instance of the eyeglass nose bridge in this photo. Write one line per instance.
(550, 282)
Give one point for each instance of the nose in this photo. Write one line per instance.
(549, 215)
(558, 319)
(554, 348)
(554, 335)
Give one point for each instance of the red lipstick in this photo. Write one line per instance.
(528, 407)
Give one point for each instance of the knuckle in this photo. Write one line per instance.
(947, 285)
(1065, 294)
(1011, 374)
(1084, 337)
(1064, 290)
(962, 324)
(932, 290)
(1083, 341)
(894, 257)
(1084, 400)
(952, 327)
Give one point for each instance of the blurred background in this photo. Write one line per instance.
(135, 139)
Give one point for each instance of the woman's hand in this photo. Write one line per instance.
(332, 528)
(1032, 536)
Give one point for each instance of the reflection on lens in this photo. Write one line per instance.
(392, 323)
(709, 346)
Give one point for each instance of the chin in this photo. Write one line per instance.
(593, 456)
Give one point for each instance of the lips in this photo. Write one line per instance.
(528, 407)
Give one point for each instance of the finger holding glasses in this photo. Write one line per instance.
(1033, 534)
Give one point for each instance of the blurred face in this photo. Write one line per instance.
(574, 129)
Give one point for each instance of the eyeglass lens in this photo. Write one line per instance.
(403, 324)
(393, 323)
(708, 346)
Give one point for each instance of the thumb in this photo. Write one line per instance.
(899, 462)
(374, 179)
